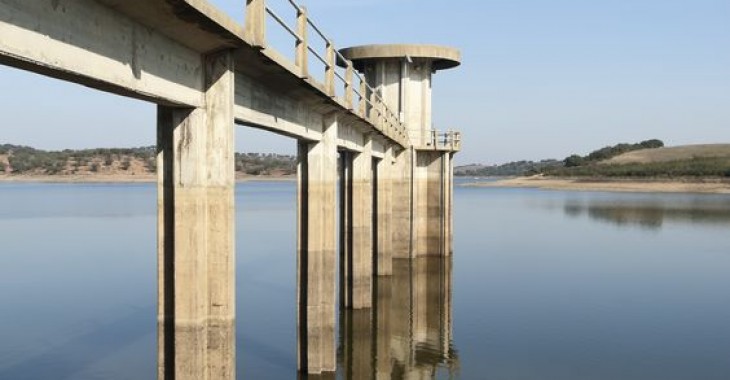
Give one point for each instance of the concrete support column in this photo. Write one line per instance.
(448, 185)
(385, 210)
(345, 229)
(429, 207)
(401, 192)
(196, 269)
(362, 228)
(317, 249)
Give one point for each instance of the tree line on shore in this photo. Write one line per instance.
(595, 164)
(142, 160)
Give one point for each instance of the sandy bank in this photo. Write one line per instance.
(714, 186)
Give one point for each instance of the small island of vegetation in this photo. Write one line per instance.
(119, 164)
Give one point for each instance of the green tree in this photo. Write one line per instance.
(573, 161)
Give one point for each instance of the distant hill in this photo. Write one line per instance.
(23, 160)
(675, 153)
(646, 159)
(692, 161)
(516, 168)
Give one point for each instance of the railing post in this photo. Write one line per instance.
(349, 92)
(255, 28)
(302, 43)
(371, 97)
(329, 79)
(363, 98)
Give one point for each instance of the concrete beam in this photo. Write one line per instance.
(88, 43)
(317, 249)
(196, 314)
(261, 106)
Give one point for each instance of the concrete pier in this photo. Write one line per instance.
(362, 228)
(195, 232)
(317, 250)
(384, 222)
(205, 73)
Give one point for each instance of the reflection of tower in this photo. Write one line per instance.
(402, 76)
(409, 334)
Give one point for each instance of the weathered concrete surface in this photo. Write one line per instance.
(362, 228)
(448, 178)
(401, 205)
(196, 306)
(384, 211)
(317, 250)
(346, 242)
(421, 185)
(430, 217)
(86, 42)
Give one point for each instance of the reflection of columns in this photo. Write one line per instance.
(362, 345)
(401, 316)
(431, 302)
(317, 245)
(196, 271)
(432, 325)
(362, 228)
(401, 204)
(385, 234)
(382, 323)
(409, 335)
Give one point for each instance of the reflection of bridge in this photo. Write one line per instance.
(409, 334)
(368, 119)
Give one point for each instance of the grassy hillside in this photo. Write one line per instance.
(646, 159)
(675, 153)
(663, 162)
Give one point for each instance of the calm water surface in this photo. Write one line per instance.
(543, 285)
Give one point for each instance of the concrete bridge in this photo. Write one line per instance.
(370, 166)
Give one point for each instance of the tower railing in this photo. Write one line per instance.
(343, 84)
(444, 140)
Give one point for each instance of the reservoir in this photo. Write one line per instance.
(542, 285)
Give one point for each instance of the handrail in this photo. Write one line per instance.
(371, 105)
(283, 24)
(321, 59)
(446, 140)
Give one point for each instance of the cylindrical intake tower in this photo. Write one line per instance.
(401, 74)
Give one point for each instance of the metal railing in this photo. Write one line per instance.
(357, 95)
(448, 140)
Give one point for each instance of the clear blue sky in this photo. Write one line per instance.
(539, 79)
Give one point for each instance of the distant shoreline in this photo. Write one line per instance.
(116, 178)
(704, 186)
